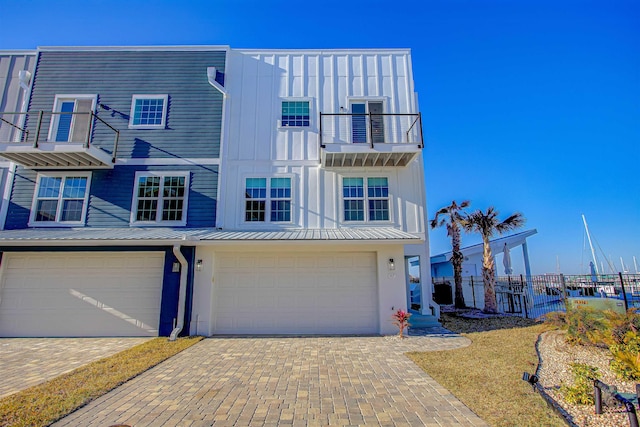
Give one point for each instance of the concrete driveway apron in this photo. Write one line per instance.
(26, 362)
(278, 381)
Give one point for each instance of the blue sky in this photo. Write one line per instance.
(529, 106)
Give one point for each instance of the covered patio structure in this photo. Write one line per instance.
(441, 265)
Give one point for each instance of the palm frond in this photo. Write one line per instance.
(511, 223)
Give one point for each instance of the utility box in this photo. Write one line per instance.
(612, 304)
(443, 293)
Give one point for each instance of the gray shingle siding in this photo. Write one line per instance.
(195, 107)
(111, 194)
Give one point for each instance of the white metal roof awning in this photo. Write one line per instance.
(497, 245)
(158, 236)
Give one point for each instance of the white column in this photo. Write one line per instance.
(527, 266)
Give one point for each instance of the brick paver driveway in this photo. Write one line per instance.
(26, 362)
(286, 381)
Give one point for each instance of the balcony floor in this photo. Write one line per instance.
(57, 156)
(362, 155)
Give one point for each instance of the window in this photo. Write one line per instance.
(267, 198)
(60, 199)
(378, 195)
(353, 193)
(362, 113)
(280, 199)
(71, 119)
(256, 195)
(370, 192)
(148, 111)
(160, 198)
(295, 113)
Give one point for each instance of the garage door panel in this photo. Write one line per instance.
(104, 294)
(308, 262)
(324, 262)
(295, 293)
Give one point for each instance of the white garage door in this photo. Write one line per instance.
(73, 294)
(296, 293)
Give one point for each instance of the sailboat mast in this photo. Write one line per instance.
(593, 253)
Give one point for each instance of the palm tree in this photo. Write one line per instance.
(452, 217)
(488, 224)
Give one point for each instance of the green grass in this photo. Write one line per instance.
(45, 403)
(487, 375)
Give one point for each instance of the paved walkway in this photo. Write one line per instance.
(26, 362)
(278, 381)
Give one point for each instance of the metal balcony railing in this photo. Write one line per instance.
(33, 128)
(368, 128)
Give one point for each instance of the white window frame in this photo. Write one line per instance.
(365, 100)
(165, 107)
(268, 199)
(159, 207)
(297, 99)
(60, 199)
(366, 199)
(57, 105)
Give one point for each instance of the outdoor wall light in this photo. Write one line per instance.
(175, 268)
(391, 265)
(199, 265)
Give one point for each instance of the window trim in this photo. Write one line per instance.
(58, 223)
(162, 175)
(366, 199)
(57, 105)
(165, 108)
(268, 199)
(296, 99)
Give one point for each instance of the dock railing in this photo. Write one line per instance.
(534, 296)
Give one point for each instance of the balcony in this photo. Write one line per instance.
(369, 140)
(58, 140)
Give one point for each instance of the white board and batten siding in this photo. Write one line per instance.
(12, 95)
(261, 80)
(330, 79)
(80, 294)
(296, 293)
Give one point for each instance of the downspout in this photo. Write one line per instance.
(212, 73)
(184, 270)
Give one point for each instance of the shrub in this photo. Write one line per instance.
(581, 392)
(557, 319)
(626, 357)
(619, 325)
(401, 320)
(585, 326)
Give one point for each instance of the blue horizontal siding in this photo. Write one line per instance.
(194, 111)
(24, 184)
(111, 195)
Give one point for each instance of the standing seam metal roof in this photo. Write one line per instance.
(166, 235)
